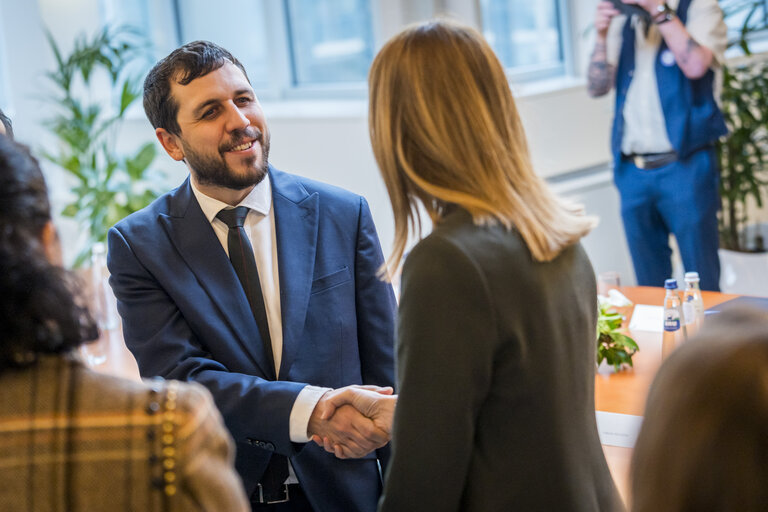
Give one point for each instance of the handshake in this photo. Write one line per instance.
(353, 421)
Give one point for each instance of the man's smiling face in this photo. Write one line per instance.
(224, 136)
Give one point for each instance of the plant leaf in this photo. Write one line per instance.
(127, 96)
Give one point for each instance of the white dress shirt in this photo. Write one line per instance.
(645, 130)
(260, 229)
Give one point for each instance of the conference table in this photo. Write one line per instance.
(617, 394)
(622, 394)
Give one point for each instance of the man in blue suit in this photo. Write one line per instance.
(260, 285)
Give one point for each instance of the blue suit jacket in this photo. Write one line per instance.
(185, 316)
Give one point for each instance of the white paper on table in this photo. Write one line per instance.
(618, 429)
(618, 299)
(647, 318)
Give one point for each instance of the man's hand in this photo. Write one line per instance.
(605, 13)
(341, 429)
(378, 404)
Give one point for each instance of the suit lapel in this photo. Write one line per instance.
(196, 241)
(296, 220)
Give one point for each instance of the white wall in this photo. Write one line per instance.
(328, 141)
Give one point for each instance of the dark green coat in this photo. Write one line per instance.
(495, 369)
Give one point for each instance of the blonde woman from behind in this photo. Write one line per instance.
(496, 327)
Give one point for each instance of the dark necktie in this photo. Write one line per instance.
(241, 256)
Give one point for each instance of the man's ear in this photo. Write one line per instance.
(170, 143)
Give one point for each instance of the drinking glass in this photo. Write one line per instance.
(607, 281)
(103, 307)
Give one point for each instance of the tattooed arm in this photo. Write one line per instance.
(601, 75)
(693, 59)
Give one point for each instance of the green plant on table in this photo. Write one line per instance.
(613, 346)
(108, 186)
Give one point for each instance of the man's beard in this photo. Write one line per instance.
(212, 170)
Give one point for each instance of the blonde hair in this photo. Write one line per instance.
(445, 130)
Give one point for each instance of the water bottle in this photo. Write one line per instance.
(102, 306)
(693, 306)
(674, 321)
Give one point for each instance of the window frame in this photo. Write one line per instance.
(5, 84)
(564, 68)
(388, 17)
(283, 86)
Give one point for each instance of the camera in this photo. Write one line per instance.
(630, 9)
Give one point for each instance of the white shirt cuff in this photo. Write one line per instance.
(302, 409)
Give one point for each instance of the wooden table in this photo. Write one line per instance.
(625, 392)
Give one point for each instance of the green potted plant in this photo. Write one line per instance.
(613, 346)
(743, 155)
(109, 185)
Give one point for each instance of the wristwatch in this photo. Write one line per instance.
(663, 14)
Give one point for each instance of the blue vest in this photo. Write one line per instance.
(691, 114)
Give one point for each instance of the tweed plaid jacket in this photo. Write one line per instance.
(75, 440)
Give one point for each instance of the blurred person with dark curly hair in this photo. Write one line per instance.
(73, 439)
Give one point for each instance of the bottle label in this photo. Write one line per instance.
(689, 311)
(671, 320)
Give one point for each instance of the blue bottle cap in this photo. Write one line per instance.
(670, 284)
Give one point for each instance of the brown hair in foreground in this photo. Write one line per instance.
(39, 313)
(704, 441)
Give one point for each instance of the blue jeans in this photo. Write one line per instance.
(681, 198)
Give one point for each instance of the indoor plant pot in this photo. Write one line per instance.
(743, 157)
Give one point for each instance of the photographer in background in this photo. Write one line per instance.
(664, 66)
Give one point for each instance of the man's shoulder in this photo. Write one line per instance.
(292, 184)
(148, 215)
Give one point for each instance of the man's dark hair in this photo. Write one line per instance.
(7, 123)
(39, 313)
(183, 65)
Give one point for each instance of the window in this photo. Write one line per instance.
(150, 19)
(4, 86)
(331, 41)
(527, 36)
(238, 26)
(4, 100)
(738, 12)
(749, 14)
(289, 48)
(323, 48)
